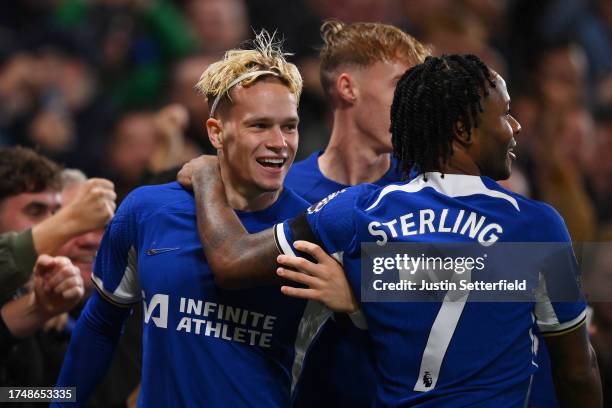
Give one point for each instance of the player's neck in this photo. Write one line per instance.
(352, 158)
(460, 162)
(460, 167)
(247, 198)
(243, 201)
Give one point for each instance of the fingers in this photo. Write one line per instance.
(193, 166)
(300, 293)
(312, 249)
(44, 264)
(96, 189)
(105, 195)
(96, 204)
(184, 176)
(67, 285)
(74, 293)
(100, 193)
(101, 182)
(297, 277)
(300, 264)
(63, 269)
(109, 208)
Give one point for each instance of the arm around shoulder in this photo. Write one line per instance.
(238, 259)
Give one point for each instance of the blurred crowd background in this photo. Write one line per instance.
(86, 81)
(106, 86)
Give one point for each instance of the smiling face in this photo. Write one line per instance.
(257, 136)
(493, 139)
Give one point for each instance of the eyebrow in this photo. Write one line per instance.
(270, 119)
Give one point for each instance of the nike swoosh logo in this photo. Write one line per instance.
(156, 251)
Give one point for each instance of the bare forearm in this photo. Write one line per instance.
(50, 235)
(23, 316)
(237, 258)
(581, 393)
(575, 370)
(91, 209)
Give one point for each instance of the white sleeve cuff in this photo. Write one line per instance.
(358, 319)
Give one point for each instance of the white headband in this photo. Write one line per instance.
(233, 83)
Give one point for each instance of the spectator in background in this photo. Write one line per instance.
(599, 170)
(81, 249)
(597, 280)
(186, 73)
(29, 188)
(131, 147)
(56, 105)
(123, 376)
(218, 25)
(89, 210)
(558, 138)
(29, 194)
(134, 43)
(456, 27)
(56, 288)
(146, 143)
(557, 143)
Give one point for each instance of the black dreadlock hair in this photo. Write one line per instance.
(430, 99)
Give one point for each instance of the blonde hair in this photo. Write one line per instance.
(364, 44)
(266, 58)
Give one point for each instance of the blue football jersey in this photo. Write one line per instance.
(339, 370)
(436, 353)
(543, 394)
(202, 346)
(305, 179)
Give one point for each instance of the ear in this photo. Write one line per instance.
(214, 127)
(346, 88)
(461, 134)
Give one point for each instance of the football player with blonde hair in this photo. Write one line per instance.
(203, 345)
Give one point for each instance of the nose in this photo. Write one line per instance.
(276, 139)
(516, 126)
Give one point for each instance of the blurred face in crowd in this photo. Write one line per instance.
(22, 211)
(186, 74)
(81, 250)
(599, 168)
(257, 136)
(375, 86)
(133, 145)
(493, 140)
(598, 284)
(353, 10)
(218, 24)
(561, 76)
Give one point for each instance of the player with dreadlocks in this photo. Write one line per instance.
(423, 137)
(204, 346)
(450, 119)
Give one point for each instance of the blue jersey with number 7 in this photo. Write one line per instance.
(440, 353)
